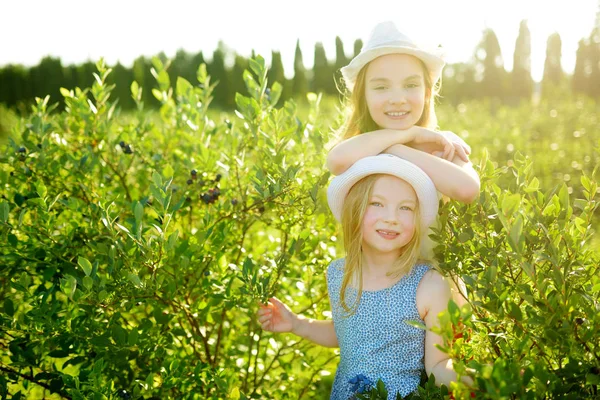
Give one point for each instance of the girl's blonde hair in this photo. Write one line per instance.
(360, 121)
(353, 212)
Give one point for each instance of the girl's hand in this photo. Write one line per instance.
(461, 149)
(427, 140)
(428, 137)
(276, 317)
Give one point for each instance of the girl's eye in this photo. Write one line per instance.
(406, 208)
(379, 88)
(376, 203)
(412, 85)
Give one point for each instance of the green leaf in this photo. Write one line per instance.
(184, 88)
(510, 203)
(9, 307)
(88, 282)
(133, 278)
(416, 324)
(4, 211)
(132, 339)
(85, 265)
(139, 212)
(234, 394)
(515, 239)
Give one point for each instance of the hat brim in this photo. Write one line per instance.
(390, 165)
(433, 62)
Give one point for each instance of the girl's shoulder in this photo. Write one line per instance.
(336, 267)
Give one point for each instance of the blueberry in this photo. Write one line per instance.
(194, 172)
(234, 202)
(122, 143)
(216, 191)
(206, 198)
(206, 273)
(218, 178)
(39, 146)
(579, 321)
(128, 150)
(261, 209)
(189, 181)
(201, 182)
(22, 150)
(12, 173)
(188, 199)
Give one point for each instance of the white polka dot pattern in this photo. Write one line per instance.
(375, 341)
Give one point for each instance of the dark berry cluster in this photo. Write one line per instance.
(126, 147)
(212, 194)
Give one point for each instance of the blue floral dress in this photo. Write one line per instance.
(375, 342)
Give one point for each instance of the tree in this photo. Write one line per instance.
(553, 73)
(122, 78)
(239, 65)
(322, 80)
(223, 95)
(490, 66)
(300, 85)
(522, 83)
(358, 44)
(580, 82)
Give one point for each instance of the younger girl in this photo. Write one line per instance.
(386, 206)
(393, 84)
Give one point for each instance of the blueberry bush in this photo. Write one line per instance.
(135, 248)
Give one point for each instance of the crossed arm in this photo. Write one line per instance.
(451, 171)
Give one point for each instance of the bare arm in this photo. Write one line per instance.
(317, 331)
(457, 179)
(346, 153)
(277, 317)
(436, 361)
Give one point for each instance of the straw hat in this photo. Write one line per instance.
(390, 165)
(386, 39)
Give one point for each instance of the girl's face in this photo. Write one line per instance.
(389, 220)
(395, 91)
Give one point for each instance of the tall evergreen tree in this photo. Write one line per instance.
(322, 80)
(240, 64)
(276, 73)
(340, 55)
(300, 85)
(582, 71)
(223, 94)
(553, 73)
(122, 78)
(594, 58)
(489, 59)
(522, 83)
(358, 44)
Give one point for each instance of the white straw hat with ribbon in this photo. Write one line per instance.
(387, 39)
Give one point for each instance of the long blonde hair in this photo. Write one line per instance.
(359, 119)
(353, 212)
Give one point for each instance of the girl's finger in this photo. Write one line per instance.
(462, 154)
(264, 319)
(266, 325)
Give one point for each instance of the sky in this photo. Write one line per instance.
(122, 30)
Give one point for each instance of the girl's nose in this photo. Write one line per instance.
(397, 97)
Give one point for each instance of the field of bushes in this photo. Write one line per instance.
(135, 247)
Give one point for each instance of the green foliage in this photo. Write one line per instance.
(135, 248)
(128, 274)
